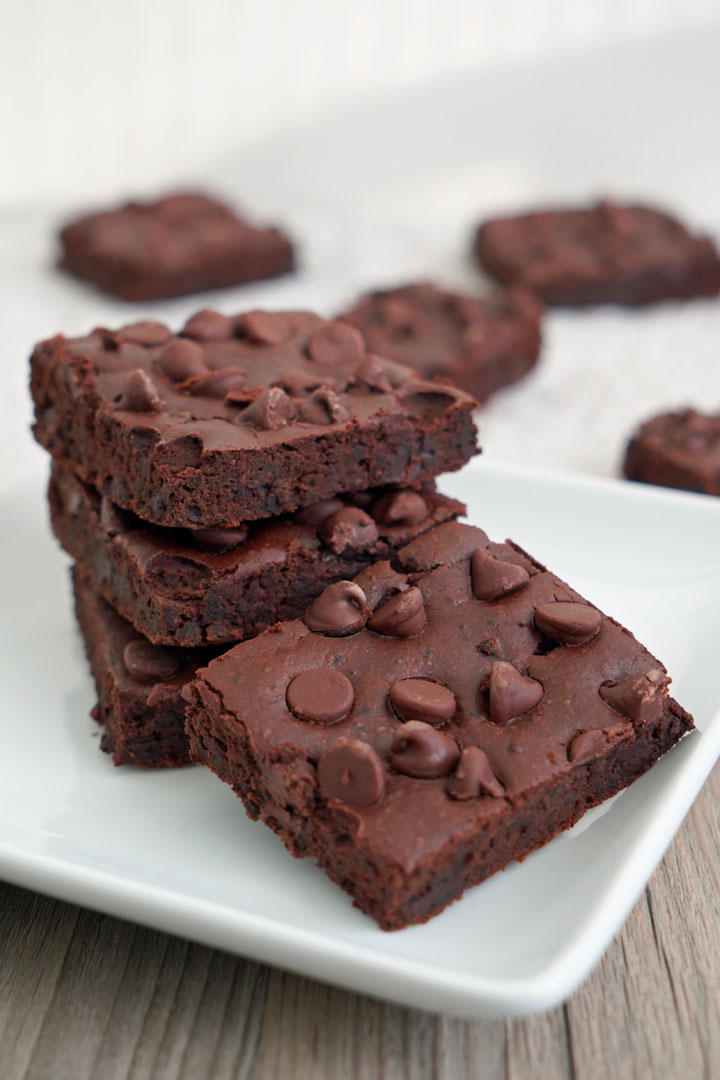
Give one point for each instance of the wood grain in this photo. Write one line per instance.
(84, 996)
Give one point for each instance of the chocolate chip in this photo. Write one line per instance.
(511, 693)
(379, 582)
(145, 333)
(382, 375)
(493, 578)
(112, 519)
(148, 662)
(567, 623)
(634, 695)
(140, 394)
(299, 383)
(401, 616)
(421, 751)
(340, 609)
(322, 695)
(181, 360)
(323, 407)
(208, 325)
(349, 528)
(400, 508)
(313, 515)
(270, 410)
(474, 776)
(214, 384)
(336, 343)
(265, 327)
(352, 772)
(423, 699)
(218, 540)
(423, 397)
(586, 745)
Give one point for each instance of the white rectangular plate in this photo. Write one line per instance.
(174, 849)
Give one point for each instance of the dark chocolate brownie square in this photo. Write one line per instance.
(419, 729)
(678, 450)
(481, 344)
(236, 419)
(181, 244)
(138, 684)
(605, 254)
(194, 587)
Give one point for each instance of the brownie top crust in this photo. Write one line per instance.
(420, 703)
(257, 379)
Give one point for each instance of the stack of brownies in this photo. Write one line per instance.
(251, 507)
(211, 483)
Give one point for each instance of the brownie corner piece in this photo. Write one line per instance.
(605, 253)
(678, 450)
(239, 418)
(429, 722)
(481, 343)
(174, 246)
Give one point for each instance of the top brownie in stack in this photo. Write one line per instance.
(236, 419)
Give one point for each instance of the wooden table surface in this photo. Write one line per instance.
(83, 996)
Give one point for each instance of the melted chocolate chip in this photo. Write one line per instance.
(208, 325)
(340, 609)
(218, 540)
(265, 327)
(511, 693)
(299, 384)
(401, 616)
(474, 776)
(323, 407)
(336, 343)
(634, 695)
(382, 375)
(379, 582)
(140, 394)
(493, 578)
(349, 528)
(270, 410)
(352, 772)
(586, 745)
(319, 511)
(420, 750)
(181, 360)
(215, 384)
(148, 662)
(400, 508)
(567, 623)
(322, 695)
(423, 699)
(145, 333)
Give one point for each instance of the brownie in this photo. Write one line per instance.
(236, 419)
(678, 450)
(184, 243)
(138, 684)
(481, 344)
(421, 727)
(605, 254)
(194, 587)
